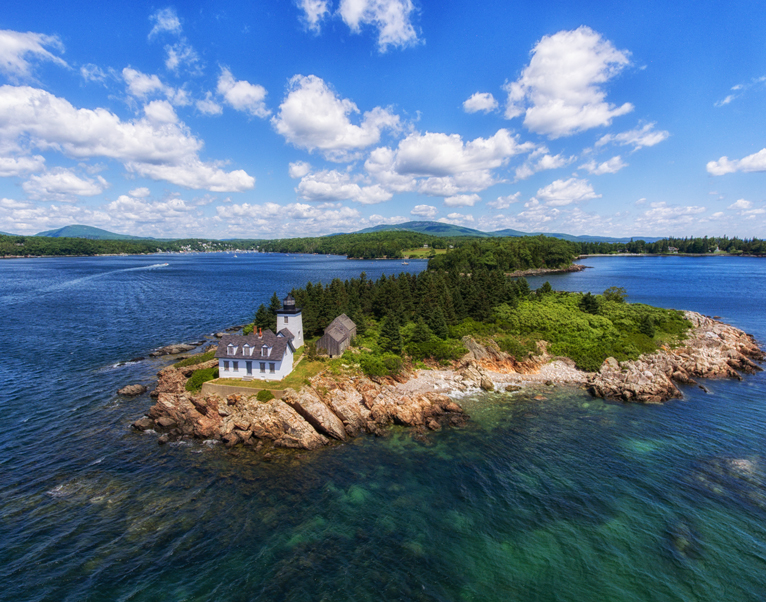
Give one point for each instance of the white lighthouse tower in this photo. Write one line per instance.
(290, 317)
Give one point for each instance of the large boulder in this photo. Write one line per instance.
(132, 390)
(308, 404)
(277, 421)
(173, 349)
(348, 404)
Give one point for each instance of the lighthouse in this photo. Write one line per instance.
(290, 317)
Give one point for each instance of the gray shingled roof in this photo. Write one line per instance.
(278, 346)
(286, 333)
(345, 321)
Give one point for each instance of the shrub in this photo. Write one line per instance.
(616, 293)
(194, 384)
(265, 395)
(380, 365)
(372, 365)
(519, 347)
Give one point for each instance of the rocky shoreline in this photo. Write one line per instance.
(329, 408)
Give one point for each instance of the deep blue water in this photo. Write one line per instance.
(565, 498)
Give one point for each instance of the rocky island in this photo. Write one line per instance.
(336, 408)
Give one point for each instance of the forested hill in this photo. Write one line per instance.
(13, 246)
(507, 254)
(369, 245)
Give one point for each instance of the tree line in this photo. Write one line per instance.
(692, 246)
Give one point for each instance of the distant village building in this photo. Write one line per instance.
(337, 336)
(263, 355)
(672, 249)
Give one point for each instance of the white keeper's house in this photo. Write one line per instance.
(263, 354)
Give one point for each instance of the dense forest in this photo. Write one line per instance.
(414, 317)
(507, 254)
(369, 245)
(463, 253)
(692, 246)
(43, 245)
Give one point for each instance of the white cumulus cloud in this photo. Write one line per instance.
(462, 200)
(14, 166)
(208, 106)
(458, 219)
(62, 184)
(613, 165)
(481, 101)
(17, 50)
(314, 11)
(391, 18)
(543, 163)
(638, 137)
(503, 202)
(241, 95)
(165, 20)
(332, 185)
(565, 192)
(30, 117)
(426, 211)
(436, 154)
(560, 92)
(299, 169)
(314, 118)
(754, 162)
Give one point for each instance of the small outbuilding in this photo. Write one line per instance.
(337, 336)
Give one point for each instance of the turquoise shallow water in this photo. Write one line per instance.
(561, 498)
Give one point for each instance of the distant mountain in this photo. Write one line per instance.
(6, 234)
(433, 228)
(90, 232)
(441, 229)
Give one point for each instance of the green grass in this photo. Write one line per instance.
(420, 252)
(195, 359)
(294, 380)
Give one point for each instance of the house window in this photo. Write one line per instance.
(225, 365)
(285, 319)
(271, 367)
(263, 366)
(231, 350)
(235, 366)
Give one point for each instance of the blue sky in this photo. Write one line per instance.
(277, 119)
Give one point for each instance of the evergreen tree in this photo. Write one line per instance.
(262, 317)
(274, 306)
(422, 333)
(545, 289)
(437, 323)
(390, 337)
(589, 304)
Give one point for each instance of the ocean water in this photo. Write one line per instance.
(547, 494)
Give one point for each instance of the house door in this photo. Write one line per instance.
(249, 366)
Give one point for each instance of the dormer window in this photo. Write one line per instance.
(264, 351)
(247, 350)
(231, 349)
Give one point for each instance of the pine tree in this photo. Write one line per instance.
(262, 317)
(274, 306)
(390, 337)
(437, 323)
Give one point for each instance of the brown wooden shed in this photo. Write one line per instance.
(337, 336)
